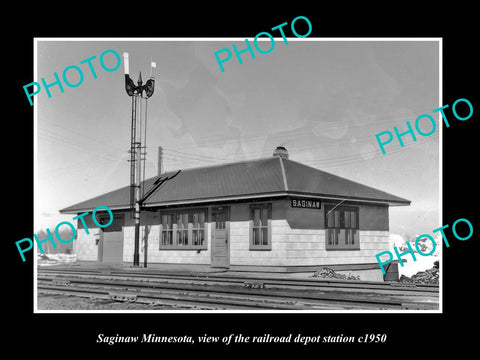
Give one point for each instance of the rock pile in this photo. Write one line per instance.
(327, 273)
(54, 259)
(429, 276)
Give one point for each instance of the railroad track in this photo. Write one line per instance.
(226, 291)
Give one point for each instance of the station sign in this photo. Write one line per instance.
(304, 203)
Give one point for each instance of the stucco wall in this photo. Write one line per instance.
(298, 238)
(155, 255)
(301, 247)
(84, 245)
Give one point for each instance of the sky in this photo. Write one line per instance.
(323, 100)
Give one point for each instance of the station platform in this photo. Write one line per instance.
(186, 269)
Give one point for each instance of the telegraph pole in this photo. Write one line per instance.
(137, 92)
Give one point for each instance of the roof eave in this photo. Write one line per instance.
(89, 209)
(390, 202)
(400, 203)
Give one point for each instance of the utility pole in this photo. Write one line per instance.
(137, 92)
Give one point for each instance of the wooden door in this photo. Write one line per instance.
(112, 241)
(220, 237)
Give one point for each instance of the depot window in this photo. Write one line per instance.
(261, 227)
(183, 229)
(341, 225)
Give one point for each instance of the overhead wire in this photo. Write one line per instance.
(332, 142)
(174, 154)
(356, 122)
(325, 162)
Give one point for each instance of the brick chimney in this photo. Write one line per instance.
(281, 151)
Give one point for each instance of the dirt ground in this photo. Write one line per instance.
(61, 302)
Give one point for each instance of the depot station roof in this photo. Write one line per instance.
(267, 177)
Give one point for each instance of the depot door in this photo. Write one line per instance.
(220, 237)
(112, 241)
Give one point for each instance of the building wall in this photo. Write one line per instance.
(301, 247)
(298, 238)
(150, 230)
(85, 245)
(371, 216)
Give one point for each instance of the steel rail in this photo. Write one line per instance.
(176, 299)
(234, 290)
(212, 300)
(270, 281)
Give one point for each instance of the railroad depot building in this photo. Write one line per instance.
(269, 214)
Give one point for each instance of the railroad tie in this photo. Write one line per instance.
(123, 297)
(61, 282)
(254, 284)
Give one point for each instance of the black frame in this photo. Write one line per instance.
(352, 232)
(267, 226)
(174, 213)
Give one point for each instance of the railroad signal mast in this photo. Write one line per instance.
(137, 93)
